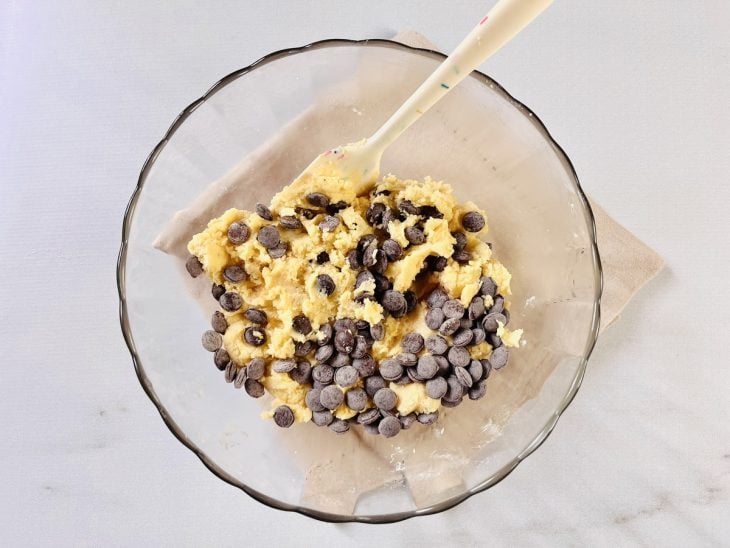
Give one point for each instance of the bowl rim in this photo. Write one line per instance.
(441, 506)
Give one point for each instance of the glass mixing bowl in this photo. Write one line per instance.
(494, 151)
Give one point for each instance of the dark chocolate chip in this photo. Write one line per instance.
(234, 273)
(256, 368)
(257, 316)
(283, 416)
(428, 418)
(407, 359)
(373, 384)
(241, 376)
(279, 251)
(479, 336)
(322, 418)
(451, 403)
(394, 301)
(374, 214)
(477, 391)
(444, 365)
(194, 266)
(312, 400)
(466, 323)
(212, 340)
(407, 421)
(283, 366)
(325, 334)
(254, 336)
(463, 337)
(505, 312)
(302, 325)
(437, 298)
(323, 373)
(368, 417)
(436, 345)
(377, 332)
(389, 215)
(253, 388)
(335, 208)
(476, 308)
(494, 340)
(346, 376)
(221, 358)
(411, 300)
(307, 213)
(344, 341)
(381, 263)
(434, 318)
(365, 366)
(473, 221)
(450, 326)
(340, 359)
(392, 249)
(414, 235)
(290, 222)
(463, 376)
(458, 356)
(390, 369)
(361, 347)
(382, 284)
(490, 321)
(406, 206)
(370, 254)
(322, 257)
(487, 286)
(461, 257)
(301, 349)
(476, 370)
(436, 388)
(264, 212)
(356, 399)
(453, 308)
(435, 263)
(325, 284)
(218, 322)
(302, 373)
(331, 396)
(238, 233)
(461, 240)
(430, 211)
(385, 399)
(345, 324)
(317, 199)
(329, 223)
(217, 290)
(338, 426)
(353, 259)
(427, 367)
(268, 236)
(230, 301)
(499, 357)
(362, 325)
(498, 305)
(389, 427)
(324, 353)
(455, 389)
(231, 372)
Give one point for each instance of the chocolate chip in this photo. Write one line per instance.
(381, 263)
(458, 356)
(428, 418)
(323, 373)
(394, 301)
(290, 222)
(368, 417)
(499, 357)
(382, 284)
(283, 366)
(392, 249)
(437, 298)
(263, 212)
(374, 214)
(411, 300)
(361, 347)
(325, 284)
(240, 378)
(194, 266)
(414, 235)
(238, 233)
(370, 254)
(302, 373)
(356, 399)
(487, 286)
(312, 400)
(301, 349)
(450, 326)
(455, 390)
(221, 358)
(461, 257)
(494, 340)
(325, 334)
(373, 384)
(324, 353)
(479, 336)
(430, 211)
(405, 378)
(230, 301)
(406, 206)
(256, 368)
(254, 336)
(335, 208)
(253, 388)
(453, 309)
(339, 426)
(434, 318)
(257, 316)
(389, 427)
(340, 359)
(331, 396)
(268, 236)
(413, 343)
(389, 215)
(436, 345)
(234, 273)
(476, 308)
(365, 366)
(498, 305)
(345, 324)
(346, 376)
(463, 376)
(317, 199)
(427, 367)
(505, 312)
(308, 214)
(407, 421)
(279, 251)
(217, 290)
(385, 399)
(329, 223)
(407, 359)
(436, 388)
(444, 365)
(473, 221)
(231, 372)
(451, 403)
(353, 260)
(362, 325)
(302, 325)
(212, 340)
(377, 332)
(476, 370)
(462, 337)
(487, 365)
(478, 391)
(344, 341)
(466, 323)
(322, 257)
(390, 369)
(461, 240)
(322, 418)
(490, 321)
(218, 322)
(434, 263)
(283, 416)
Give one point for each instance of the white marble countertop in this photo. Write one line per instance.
(636, 93)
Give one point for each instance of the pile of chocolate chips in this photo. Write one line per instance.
(340, 357)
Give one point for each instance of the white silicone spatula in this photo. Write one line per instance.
(360, 162)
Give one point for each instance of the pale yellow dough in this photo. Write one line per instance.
(286, 287)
